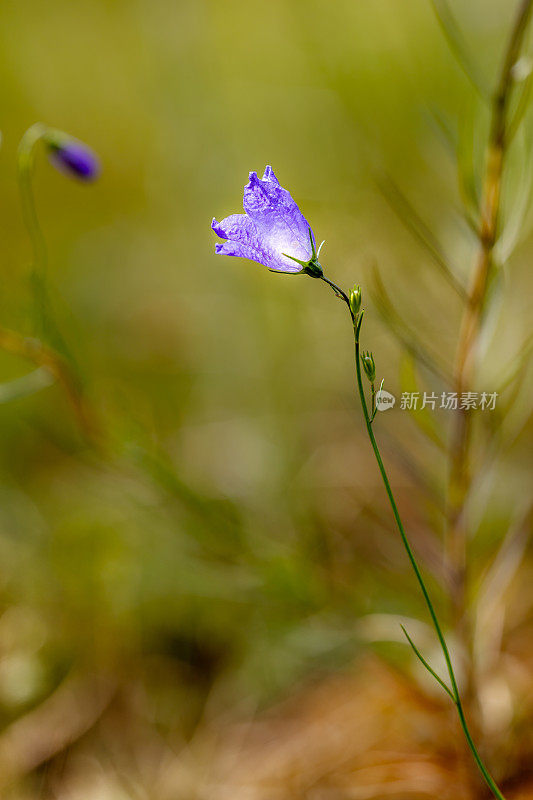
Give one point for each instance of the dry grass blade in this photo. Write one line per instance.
(471, 332)
(413, 222)
(467, 177)
(514, 230)
(422, 417)
(60, 368)
(402, 331)
(59, 721)
(516, 369)
(418, 474)
(520, 108)
(26, 385)
(499, 577)
(458, 46)
(460, 148)
(361, 736)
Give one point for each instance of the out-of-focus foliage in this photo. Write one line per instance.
(233, 539)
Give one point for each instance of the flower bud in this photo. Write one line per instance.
(355, 300)
(71, 156)
(369, 367)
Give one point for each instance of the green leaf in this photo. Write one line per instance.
(426, 665)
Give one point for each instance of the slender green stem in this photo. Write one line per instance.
(26, 158)
(357, 322)
(338, 291)
(45, 325)
(47, 347)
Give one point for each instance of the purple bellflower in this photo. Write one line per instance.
(273, 231)
(71, 156)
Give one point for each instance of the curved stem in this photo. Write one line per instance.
(26, 158)
(53, 352)
(357, 321)
(338, 291)
(45, 325)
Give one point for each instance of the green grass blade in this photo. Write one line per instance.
(426, 665)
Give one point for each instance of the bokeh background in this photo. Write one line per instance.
(208, 606)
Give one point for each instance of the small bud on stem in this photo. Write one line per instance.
(355, 300)
(367, 360)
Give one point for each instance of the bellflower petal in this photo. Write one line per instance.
(237, 227)
(268, 175)
(272, 228)
(255, 250)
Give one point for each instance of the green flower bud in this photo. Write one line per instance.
(355, 300)
(369, 367)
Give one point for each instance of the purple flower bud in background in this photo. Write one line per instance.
(273, 231)
(71, 156)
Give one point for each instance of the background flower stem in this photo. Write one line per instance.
(357, 322)
(26, 158)
(49, 349)
(43, 318)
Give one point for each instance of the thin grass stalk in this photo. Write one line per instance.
(460, 478)
(50, 349)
